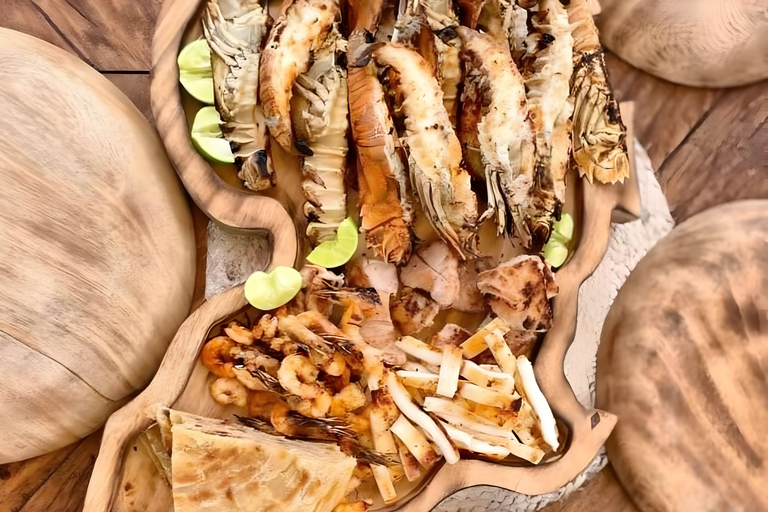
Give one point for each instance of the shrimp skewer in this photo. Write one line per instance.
(441, 183)
(599, 136)
(387, 215)
(236, 31)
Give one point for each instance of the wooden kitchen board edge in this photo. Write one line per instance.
(136, 87)
(729, 143)
(109, 35)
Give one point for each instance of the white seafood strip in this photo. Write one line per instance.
(415, 441)
(448, 381)
(540, 406)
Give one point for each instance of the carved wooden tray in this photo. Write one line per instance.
(181, 382)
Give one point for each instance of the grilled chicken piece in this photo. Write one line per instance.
(451, 335)
(386, 212)
(236, 31)
(319, 111)
(434, 268)
(442, 185)
(547, 68)
(599, 136)
(505, 136)
(519, 291)
(301, 28)
(413, 311)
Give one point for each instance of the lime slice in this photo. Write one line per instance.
(334, 253)
(556, 250)
(269, 291)
(207, 136)
(195, 70)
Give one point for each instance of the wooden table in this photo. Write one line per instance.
(707, 147)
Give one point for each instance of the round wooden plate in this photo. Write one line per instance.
(98, 251)
(683, 362)
(703, 43)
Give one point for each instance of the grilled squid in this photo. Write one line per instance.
(236, 31)
(387, 215)
(301, 28)
(441, 183)
(547, 68)
(495, 92)
(599, 136)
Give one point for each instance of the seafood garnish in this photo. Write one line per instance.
(319, 112)
(236, 31)
(505, 135)
(599, 136)
(301, 28)
(547, 69)
(442, 185)
(386, 212)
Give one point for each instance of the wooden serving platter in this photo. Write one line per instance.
(98, 251)
(683, 362)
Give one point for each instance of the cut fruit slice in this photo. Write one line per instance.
(269, 291)
(195, 70)
(208, 139)
(556, 250)
(336, 252)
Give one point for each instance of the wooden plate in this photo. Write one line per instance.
(703, 43)
(683, 363)
(98, 252)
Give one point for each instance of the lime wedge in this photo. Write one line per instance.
(207, 136)
(556, 250)
(336, 252)
(195, 70)
(269, 291)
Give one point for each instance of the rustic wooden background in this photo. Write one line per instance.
(707, 146)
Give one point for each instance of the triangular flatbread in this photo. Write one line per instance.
(218, 466)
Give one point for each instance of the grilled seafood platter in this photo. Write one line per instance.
(434, 155)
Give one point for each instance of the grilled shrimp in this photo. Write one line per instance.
(229, 392)
(216, 356)
(386, 212)
(547, 69)
(298, 375)
(316, 407)
(239, 333)
(504, 133)
(319, 113)
(301, 27)
(599, 136)
(442, 185)
(350, 398)
(236, 31)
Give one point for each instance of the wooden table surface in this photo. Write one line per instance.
(707, 147)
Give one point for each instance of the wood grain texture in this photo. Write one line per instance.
(92, 219)
(110, 35)
(683, 362)
(603, 493)
(234, 208)
(136, 87)
(704, 43)
(665, 112)
(730, 144)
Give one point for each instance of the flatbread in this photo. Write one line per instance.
(218, 466)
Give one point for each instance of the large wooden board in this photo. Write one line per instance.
(98, 252)
(683, 364)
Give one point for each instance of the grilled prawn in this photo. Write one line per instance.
(599, 136)
(387, 215)
(547, 68)
(301, 28)
(442, 185)
(319, 116)
(505, 135)
(236, 31)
